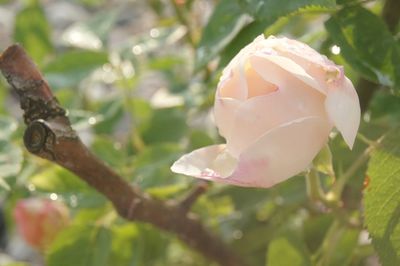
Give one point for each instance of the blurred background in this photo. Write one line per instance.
(138, 80)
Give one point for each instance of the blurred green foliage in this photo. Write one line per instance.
(138, 79)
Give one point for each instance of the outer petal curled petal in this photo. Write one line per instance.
(211, 162)
(233, 84)
(343, 108)
(281, 153)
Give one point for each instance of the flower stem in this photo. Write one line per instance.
(324, 254)
(338, 187)
(313, 183)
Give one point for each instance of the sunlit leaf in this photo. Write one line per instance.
(81, 245)
(112, 112)
(152, 166)
(266, 13)
(273, 9)
(8, 125)
(287, 250)
(109, 151)
(93, 33)
(382, 199)
(366, 44)
(16, 264)
(10, 158)
(224, 24)
(165, 125)
(123, 244)
(32, 30)
(68, 69)
(81, 119)
(345, 247)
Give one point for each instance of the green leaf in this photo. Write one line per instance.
(93, 32)
(152, 166)
(345, 247)
(199, 139)
(244, 37)
(287, 250)
(102, 247)
(70, 68)
(137, 245)
(81, 245)
(109, 151)
(267, 13)
(224, 24)
(54, 179)
(32, 30)
(273, 9)
(382, 199)
(102, 23)
(366, 44)
(8, 125)
(315, 228)
(16, 264)
(112, 111)
(165, 125)
(57, 179)
(123, 244)
(81, 119)
(385, 104)
(10, 158)
(150, 246)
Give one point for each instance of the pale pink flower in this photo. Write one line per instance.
(40, 220)
(276, 103)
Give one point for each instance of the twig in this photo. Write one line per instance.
(49, 135)
(182, 18)
(199, 189)
(340, 183)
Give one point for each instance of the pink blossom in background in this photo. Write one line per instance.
(275, 104)
(40, 220)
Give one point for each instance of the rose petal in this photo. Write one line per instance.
(343, 108)
(261, 60)
(233, 85)
(257, 86)
(211, 162)
(316, 65)
(281, 153)
(254, 117)
(224, 114)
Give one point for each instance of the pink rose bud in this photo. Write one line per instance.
(276, 103)
(40, 220)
